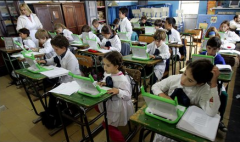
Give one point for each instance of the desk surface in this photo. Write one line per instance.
(175, 45)
(83, 46)
(128, 58)
(10, 51)
(92, 53)
(26, 73)
(82, 100)
(187, 33)
(163, 128)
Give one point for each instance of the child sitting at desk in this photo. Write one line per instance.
(65, 58)
(213, 46)
(86, 31)
(61, 29)
(120, 106)
(158, 24)
(144, 21)
(110, 41)
(125, 25)
(43, 37)
(159, 50)
(191, 88)
(211, 32)
(96, 26)
(230, 35)
(27, 41)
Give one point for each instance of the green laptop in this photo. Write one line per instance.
(52, 34)
(76, 40)
(198, 57)
(123, 36)
(139, 52)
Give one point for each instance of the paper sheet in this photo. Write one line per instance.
(56, 72)
(66, 88)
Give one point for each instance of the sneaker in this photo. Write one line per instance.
(222, 127)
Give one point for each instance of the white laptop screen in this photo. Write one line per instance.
(86, 86)
(139, 52)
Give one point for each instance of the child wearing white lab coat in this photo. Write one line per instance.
(96, 26)
(86, 32)
(61, 29)
(119, 107)
(27, 41)
(125, 25)
(229, 35)
(193, 82)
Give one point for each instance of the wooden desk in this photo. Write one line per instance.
(146, 38)
(85, 102)
(161, 127)
(83, 46)
(128, 59)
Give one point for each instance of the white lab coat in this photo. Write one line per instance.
(234, 25)
(120, 106)
(175, 36)
(98, 28)
(164, 53)
(68, 62)
(28, 43)
(90, 35)
(115, 42)
(126, 26)
(32, 26)
(47, 49)
(232, 36)
(68, 34)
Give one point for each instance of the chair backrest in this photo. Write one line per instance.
(198, 33)
(84, 60)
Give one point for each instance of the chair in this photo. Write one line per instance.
(85, 61)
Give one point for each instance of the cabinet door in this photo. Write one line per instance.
(80, 15)
(44, 16)
(56, 14)
(70, 18)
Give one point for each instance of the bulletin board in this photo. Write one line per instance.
(211, 4)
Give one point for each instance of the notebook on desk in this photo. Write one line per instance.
(161, 108)
(76, 40)
(199, 57)
(149, 30)
(139, 52)
(197, 122)
(87, 86)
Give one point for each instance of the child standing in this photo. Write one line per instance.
(65, 58)
(125, 24)
(44, 39)
(159, 50)
(61, 29)
(110, 41)
(144, 21)
(86, 31)
(27, 41)
(192, 86)
(119, 107)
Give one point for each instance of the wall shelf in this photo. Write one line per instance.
(223, 8)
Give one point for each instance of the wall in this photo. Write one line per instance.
(175, 5)
(202, 7)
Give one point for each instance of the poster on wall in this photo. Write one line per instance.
(213, 19)
(211, 4)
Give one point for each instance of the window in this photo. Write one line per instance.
(189, 7)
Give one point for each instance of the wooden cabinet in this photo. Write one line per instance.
(74, 15)
(49, 14)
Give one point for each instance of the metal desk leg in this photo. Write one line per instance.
(5, 62)
(106, 120)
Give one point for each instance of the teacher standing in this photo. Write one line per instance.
(28, 20)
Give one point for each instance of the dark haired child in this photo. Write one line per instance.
(110, 41)
(125, 25)
(158, 24)
(86, 32)
(119, 107)
(159, 50)
(144, 21)
(116, 24)
(27, 40)
(65, 58)
(96, 26)
(192, 88)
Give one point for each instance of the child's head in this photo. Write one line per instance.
(42, 35)
(116, 22)
(197, 73)
(122, 12)
(236, 18)
(212, 32)
(95, 23)
(159, 36)
(107, 32)
(213, 45)
(112, 62)
(60, 44)
(170, 23)
(144, 19)
(58, 27)
(86, 28)
(224, 26)
(24, 33)
(24, 9)
(158, 24)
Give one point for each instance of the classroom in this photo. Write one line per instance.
(119, 71)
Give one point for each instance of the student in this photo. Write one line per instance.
(125, 24)
(158, 24)
(44, 39)
(61, 29)
(116, 24)
(96, 26)
(110, 41)
(173, 35)
(65, 58)
(192, 86)
(86, 31)
(235, 23)
(159, 50)
(212, 32)
(230, 36)
(213, 46)
(119, 107)
(144, 21)
(27, 41)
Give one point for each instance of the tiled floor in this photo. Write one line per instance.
(16, 121)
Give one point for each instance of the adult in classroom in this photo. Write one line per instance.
(28, 20)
